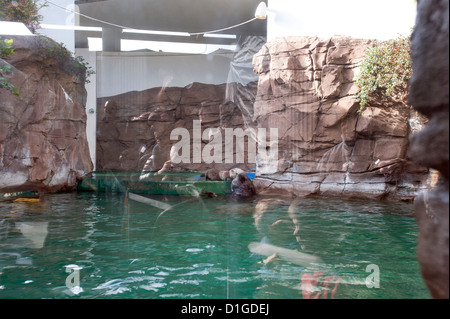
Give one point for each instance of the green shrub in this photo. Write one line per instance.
(387, 67)
(62, 57)
(5, 51)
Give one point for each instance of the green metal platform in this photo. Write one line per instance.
(149, 183)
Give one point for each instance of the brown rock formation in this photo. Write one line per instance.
(429, 94)
(43, 145)
(134, 128)
(307, 90)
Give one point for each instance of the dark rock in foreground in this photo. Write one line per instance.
(429, 94)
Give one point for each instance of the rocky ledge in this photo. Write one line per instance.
(307, 91)
(43, 145)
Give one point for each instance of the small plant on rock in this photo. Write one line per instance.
(5, 51)
(62, 57)
(388, 68)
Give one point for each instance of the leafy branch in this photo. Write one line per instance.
(25, 11)
(5, 51)
(60, 55)
(387, 67)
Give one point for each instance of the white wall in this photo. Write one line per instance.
(121, 72)
(14, 28)
(57, 16)
(367, 19)
(91, 103)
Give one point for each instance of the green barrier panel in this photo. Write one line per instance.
(17, 194)
(167, 184)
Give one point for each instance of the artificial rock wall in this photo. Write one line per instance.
(134, 128)
(43, 145)
(307, 90)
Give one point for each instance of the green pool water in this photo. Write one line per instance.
(199, 248)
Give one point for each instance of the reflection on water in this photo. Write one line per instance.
(34, 233)
(207, 248)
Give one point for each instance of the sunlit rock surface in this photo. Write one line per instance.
(307, 90)
(43, 145)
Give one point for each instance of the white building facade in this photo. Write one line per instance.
(366, 19)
